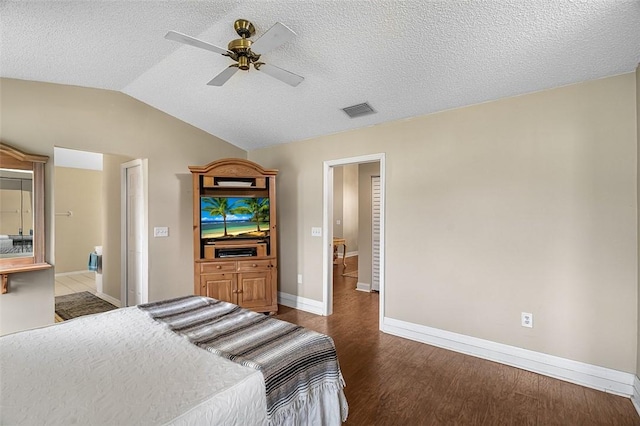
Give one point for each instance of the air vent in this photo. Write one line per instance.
(359, 110)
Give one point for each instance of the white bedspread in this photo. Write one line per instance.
(122, 368)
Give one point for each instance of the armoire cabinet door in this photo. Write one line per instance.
(219, 286)
(254, 289)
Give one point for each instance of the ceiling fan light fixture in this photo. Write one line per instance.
(243, 63)
(240, 50)
(359, 110)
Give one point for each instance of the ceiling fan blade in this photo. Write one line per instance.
(225, 75)
(274, 37)
(183, 38)
(282, 75)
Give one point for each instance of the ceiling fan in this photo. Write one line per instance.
(246, 52)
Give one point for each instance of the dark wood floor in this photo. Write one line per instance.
(394, 381)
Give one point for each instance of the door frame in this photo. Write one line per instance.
(144, 234)
(327, 225)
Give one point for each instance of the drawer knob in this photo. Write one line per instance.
(218, 266)
(254, 265)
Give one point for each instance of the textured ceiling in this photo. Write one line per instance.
(406, 58)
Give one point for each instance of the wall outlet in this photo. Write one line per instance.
(299, 278)
(526, 319)
(161, 231)
(316, 232)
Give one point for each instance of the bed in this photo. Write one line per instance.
(6, 244)
(191, 360)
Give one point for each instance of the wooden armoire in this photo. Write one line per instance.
(234, 233)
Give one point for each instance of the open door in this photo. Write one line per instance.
(134, 234)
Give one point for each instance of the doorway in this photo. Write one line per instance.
(328, 222)
(78, 224)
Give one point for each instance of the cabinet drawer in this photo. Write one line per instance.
(208, 268)
(254, 265)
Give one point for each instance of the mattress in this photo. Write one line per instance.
(122, 367)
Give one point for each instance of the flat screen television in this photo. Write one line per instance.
(223, 218)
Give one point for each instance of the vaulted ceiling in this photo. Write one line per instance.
(405, 58)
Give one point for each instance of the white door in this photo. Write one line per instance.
(134, 232)
(375, 233)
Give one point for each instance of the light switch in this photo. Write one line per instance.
(316, 232)
(161, 231)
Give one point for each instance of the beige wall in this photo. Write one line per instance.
(523, 204)
(338, 190)
(345, 205)
(78, 191)
(350, 206)
(38, 116)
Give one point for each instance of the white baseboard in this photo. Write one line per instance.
(635, 398)
(64, 274)
(363, 287)
(592, 376)
(301, 303)
(349, 254)
(109, 299)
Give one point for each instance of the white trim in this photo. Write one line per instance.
(327, 238)
(363, 287)
(143, 163)
(301, 303)
(349, 254)
(327, 228)
(66, 274)
(109, 299)
(635, 398)
(592, 376)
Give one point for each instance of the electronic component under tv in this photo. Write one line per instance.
(236, 252)
(234, 218)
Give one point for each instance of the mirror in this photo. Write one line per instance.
(16, 213)
(21, 212)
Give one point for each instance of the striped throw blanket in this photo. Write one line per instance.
(297, 363)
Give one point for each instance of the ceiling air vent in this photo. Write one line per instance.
(359, 110)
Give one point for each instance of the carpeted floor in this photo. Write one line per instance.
(79, 304)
